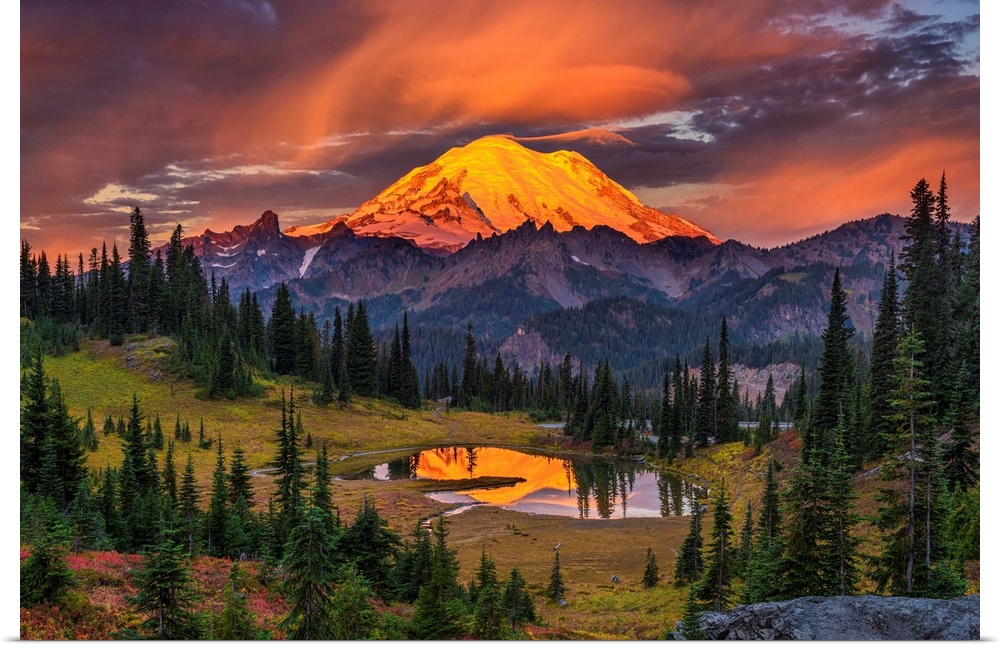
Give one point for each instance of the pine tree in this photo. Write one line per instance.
(469, 373)
(844, 544)
(716, 586)
(691, 623)
(913, 559)
(705, 421)
(439, 612)
(689, 566)
(189, 495)
(885, 341)
(833, 370)
(354, 617)
(516, 602)
(164, 595)
(961, 461)
(557, 588)
(371, 545)
(360, 360)
(926, 301)
(311, 570)
(217, 517)
(45, 576)
(728, 422)
(282, 332)
(488, 616)
(651, 574)
(139, 273)
(763, 578)
(236, 622)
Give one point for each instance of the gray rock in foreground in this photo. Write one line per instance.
(863, 617)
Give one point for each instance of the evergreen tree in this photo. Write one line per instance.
(360, 360)
(164, 595)
(912, 518)
(282, 332)
(557, 588)
(844, 543)
(651, 574)
(516, 602)
(488, 616)
(716, 586)
(705, 420)
(691, 623)
(371, 545)
(45, 577)
(885, 341)
(354, 617)
(236, 622)
(833, 369)
(440, 613)
(961, 460)
(216, 520)
(469, 371)
(926, 300)
(189, 495)
(139, 273)
(311, 567)
(728, 422)
(689, 566)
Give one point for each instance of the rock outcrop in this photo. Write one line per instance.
(863, 617)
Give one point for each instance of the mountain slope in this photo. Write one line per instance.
(493, 185)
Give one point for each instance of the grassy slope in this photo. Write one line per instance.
(592, 551)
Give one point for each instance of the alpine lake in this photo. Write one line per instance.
(537, 482)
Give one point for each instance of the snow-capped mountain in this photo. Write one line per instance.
(494, 185)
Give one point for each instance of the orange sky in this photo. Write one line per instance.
(762, 120)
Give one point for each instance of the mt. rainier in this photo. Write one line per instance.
(494, 185)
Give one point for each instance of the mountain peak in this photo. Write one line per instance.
(494, 184)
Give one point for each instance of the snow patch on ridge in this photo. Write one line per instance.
(261, 252)
(223, 266)
(579, 261)
(307, 259)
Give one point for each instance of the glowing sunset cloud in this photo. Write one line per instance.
(759, 120)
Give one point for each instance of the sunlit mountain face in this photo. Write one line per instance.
(586, 488)
(494, 185)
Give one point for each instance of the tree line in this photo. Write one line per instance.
(909, 409)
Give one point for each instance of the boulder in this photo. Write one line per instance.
(863, 617)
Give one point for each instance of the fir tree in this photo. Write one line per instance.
(728, 422)
(236, 622)
(705, 421)
(282, 332)
(833, 369)
(45, 577)
(311, 567)
(216, 519)
(189, 495)
(716, 586)
(689, 566)
(164, 595)
(651, 574)
(557, 589)
(911, 519)
(439, 612)
(885, 341)
(516, 601)
(354, 617)
(360, 360)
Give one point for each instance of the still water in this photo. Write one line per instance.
(586, 487)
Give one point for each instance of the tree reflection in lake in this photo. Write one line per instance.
(581, 486)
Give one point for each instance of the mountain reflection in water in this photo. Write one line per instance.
(586, 487)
